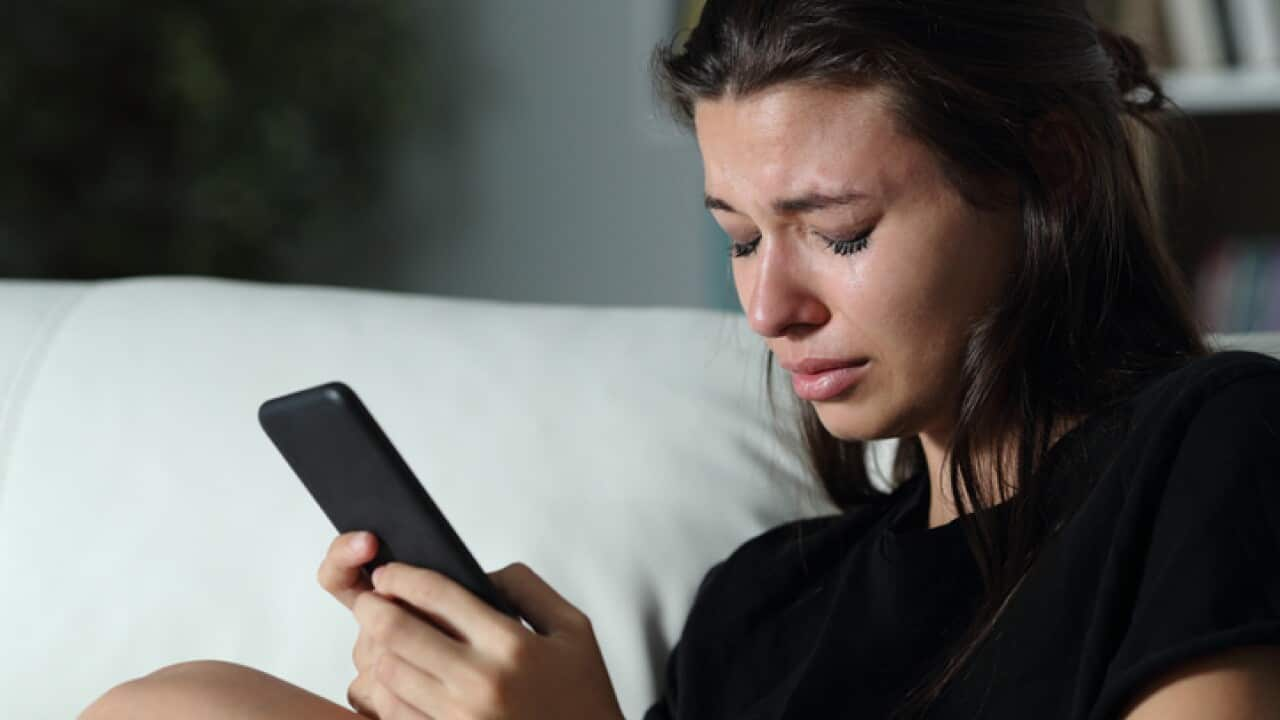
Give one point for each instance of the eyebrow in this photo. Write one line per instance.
(801, 204)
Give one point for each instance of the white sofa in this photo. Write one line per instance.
(145, 519)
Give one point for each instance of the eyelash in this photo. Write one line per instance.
(853, 245)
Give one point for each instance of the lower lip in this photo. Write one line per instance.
(828, 384)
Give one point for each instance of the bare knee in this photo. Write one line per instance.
(152, 694)
(199, 668)
(201, 689)
(125, 700)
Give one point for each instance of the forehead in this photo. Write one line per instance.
(794, 137)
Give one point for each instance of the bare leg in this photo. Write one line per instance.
(212, 690)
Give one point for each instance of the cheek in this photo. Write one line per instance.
(890, 303)
(925, 293)
(912, 318)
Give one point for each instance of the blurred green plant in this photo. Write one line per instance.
(195, 136)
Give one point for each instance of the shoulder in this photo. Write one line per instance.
(1209, 429)
(1217, 402)
(780, 562)
(773, 549)
(1238, 399)
(809, 539)
(1227, 399)
(1196, 530)
(1193, 385)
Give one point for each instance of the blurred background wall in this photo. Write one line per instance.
(561, 182)
(498, 148)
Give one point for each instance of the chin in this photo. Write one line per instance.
(845, 422)
(848, 421)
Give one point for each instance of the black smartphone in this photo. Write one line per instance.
(355, 474)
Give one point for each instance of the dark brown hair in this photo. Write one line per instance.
(1036, 92)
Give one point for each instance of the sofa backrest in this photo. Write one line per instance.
(145, 519)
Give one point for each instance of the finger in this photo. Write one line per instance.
(392, 707)
(545, 609)
(397, 630)
(339, 573)
(441, 598)
(389, 706)
(414, 690)
(360, 696)
(366, 652)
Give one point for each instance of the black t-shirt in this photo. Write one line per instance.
(1172, 555)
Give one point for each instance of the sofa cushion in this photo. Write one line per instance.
(30, 313)
(147, 520)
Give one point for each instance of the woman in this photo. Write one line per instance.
(938, 200)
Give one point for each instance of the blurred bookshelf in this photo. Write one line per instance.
(1213, 92)
(1219, 61)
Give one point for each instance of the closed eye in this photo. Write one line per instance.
(852, 245)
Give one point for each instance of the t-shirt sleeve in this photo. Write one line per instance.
(666, 707)
(1206, 544)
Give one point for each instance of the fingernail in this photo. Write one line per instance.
(359, 542)
(377, 573)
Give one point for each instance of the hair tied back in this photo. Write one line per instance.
(1132, 74)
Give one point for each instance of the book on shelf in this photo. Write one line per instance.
(1256, 28)
(1195, 34)
(1223, 34)
(1237, 286)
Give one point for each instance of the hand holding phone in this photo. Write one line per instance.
(360, 482)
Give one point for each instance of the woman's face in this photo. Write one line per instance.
(912, 266)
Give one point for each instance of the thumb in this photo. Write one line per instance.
(545, 609)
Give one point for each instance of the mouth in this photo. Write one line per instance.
(830, 383)
(815, 366)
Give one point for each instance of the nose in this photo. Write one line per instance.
(781, 297)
